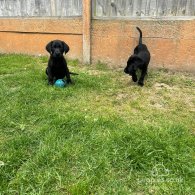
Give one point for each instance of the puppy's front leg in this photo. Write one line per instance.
(50, 77)
(141, 79)
(134, 77)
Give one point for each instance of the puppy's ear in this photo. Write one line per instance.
(48, 46)
(66, 47)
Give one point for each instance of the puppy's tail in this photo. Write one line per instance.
(73, 73)
(140, 38)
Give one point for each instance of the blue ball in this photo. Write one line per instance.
(60, 83)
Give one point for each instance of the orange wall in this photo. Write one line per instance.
(30, 36)
(171, 43)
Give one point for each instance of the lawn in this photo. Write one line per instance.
(102, 135)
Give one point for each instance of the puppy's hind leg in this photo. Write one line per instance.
(67, 74)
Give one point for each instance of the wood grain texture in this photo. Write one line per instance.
(40, 8)
(101, 8)
(143, 8)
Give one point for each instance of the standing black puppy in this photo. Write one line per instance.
(57, 67)
(139, 60)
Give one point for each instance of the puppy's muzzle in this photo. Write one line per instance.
(127, 71)
(57, 53)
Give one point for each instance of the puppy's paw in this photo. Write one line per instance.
(72, 83)
(134, 79)
(140, 83)
(50, 83)
(69, 81)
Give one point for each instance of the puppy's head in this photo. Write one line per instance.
(56, 48)
(133, 63)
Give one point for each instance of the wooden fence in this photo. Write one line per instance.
(143, 8)
(40, 8)
(101, 8)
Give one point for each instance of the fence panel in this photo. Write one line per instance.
(143, 8)
(40, 8)
(69, 7)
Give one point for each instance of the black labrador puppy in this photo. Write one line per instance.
(139, 60)
(57, 67)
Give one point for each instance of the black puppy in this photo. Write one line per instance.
(139, 60)
(57, 67)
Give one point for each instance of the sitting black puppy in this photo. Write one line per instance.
(57, 67)
(139, 60)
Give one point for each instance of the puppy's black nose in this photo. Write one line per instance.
(125, 70)
(57, 53)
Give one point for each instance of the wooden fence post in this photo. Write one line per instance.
(87, 31)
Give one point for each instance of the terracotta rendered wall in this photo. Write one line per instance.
(30, 36)
(171, 42)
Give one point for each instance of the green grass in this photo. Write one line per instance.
(102, 135)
